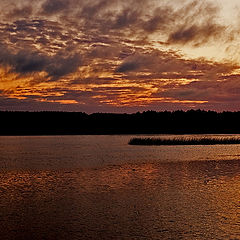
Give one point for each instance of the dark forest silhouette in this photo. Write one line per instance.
(149, 122)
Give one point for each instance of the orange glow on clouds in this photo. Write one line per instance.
(151, 54)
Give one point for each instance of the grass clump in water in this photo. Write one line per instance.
(185, 141)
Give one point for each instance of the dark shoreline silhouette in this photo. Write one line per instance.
(149, 122)
(184, 141)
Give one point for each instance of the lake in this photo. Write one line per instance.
(99, 187)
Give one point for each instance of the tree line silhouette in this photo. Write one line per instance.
(148, 122)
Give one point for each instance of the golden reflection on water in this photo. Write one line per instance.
(188, 200)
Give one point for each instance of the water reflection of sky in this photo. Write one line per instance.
(99, 187)
(188, 200)
(75, 152)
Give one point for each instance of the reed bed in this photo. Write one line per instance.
(185, 141)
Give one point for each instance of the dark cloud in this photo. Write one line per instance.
(192, 22)
(27, 62)
(136, 62)
(37, 35)
(212, 92)
(196, 34)
(28, 26)
(105, 52)
(128, 66)
(60, 65)
(21, 12)
(126, 18)
(24, 62)
(91, 9)
(161, 18)
(172, 64)
(197, 24)
(50, 7)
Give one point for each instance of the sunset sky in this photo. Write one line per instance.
(119, 55)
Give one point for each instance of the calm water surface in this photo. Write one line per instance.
(99, 187)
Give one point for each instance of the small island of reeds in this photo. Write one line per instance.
(185, 141)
